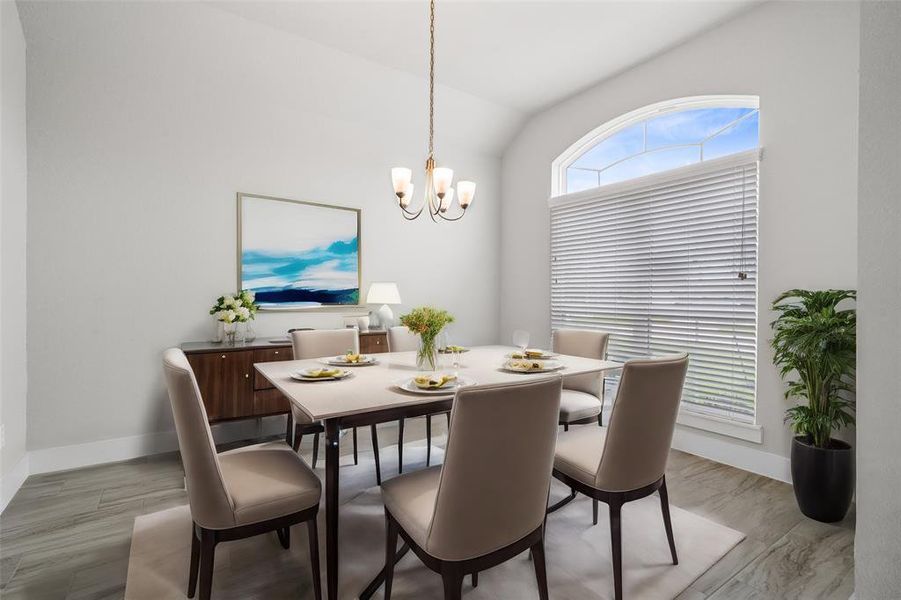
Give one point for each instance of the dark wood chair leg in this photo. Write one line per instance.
(290, 430)
(594, 510)
(315, 449)
(375, 455)
(667, 523)
(453, 585)
(332, 482)
(448, 421)
(616, 543)
(195, 562)
(428, 440)
(601, 418)
(400, 446)
(540, 569)
(207, 560)
(284, 537)
(313, 535)
(475, 579)
(566, 427)
(356, 457)
(390, 553)
(298, 438)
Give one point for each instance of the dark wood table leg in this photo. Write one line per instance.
(332, 433)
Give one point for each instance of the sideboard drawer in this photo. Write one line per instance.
(225, 382)
(373, 343)
(268, 355)
(269, 402)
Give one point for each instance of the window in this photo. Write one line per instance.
(667, 262)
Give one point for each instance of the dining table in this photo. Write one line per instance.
(371, 395)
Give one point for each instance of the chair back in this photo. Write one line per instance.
(211, 505)
(316, 343)
(401, 339)
(497, 467)
(587, 344)
(641, 425)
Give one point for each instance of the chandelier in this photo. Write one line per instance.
(439, 195)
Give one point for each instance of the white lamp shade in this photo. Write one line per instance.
(465, 191)
(448, 198)
(442, 177)
(400, 179)
(383, 292)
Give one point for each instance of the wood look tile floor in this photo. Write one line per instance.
(66, 535)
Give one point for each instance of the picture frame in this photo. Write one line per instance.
(297, 255)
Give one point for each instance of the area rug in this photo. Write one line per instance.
(578, 554)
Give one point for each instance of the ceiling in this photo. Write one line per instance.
(521, 55)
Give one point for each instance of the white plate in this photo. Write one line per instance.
(408, 385)
(549, 366)
(299, 376)
(544, 356)
(338, 361)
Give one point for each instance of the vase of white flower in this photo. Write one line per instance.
(232, 309)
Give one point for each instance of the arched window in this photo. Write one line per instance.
(658, 138)
(653, 238)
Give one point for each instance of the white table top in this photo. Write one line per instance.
(372, 387)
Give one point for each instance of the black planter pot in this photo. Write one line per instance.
(823, 479)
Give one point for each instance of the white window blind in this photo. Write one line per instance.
(668, 263)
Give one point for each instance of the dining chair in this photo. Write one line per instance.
(401, 339)
(317, 343)
(486, 504)
(626, 460)
(236, 494)
(582, 400)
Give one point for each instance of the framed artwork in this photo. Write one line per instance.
(298, 255)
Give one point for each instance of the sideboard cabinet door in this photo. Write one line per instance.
(226, 383)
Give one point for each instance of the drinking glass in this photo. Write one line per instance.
(521, 339)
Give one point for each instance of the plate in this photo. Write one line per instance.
(338, 361)
(408, 385)
(544, 356)
(520, 366)
(299, 376)
(461, 350)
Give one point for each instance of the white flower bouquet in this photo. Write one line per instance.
(234, 308)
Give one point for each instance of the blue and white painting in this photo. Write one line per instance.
(299, 255)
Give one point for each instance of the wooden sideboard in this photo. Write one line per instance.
(231, 387)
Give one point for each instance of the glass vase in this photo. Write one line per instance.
(427, 355)
(231, 332)
(249, 333)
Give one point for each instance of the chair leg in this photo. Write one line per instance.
(475, 579)
(540, 569)
(207, 560)
(289, 430)
(313, 535)
(195, 562)
(400, 446)
(356, 457)
(601, 418)
(390, 553)
(566, 427)
(667, 523)
(298, 438)
(448, 421)
(428, 440)
(375, 455)
(284, 537)
(616, 543)
(594, 510)
(453, 585)
(315, 449)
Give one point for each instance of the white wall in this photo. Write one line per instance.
(13, 174)
(801, 59)
(877, 546)
(144, 121)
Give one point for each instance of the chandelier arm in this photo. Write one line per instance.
(457, 218)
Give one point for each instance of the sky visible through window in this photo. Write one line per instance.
(666, 142)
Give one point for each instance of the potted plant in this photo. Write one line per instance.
(427, 323)
(815, 348)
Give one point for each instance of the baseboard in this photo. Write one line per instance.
(12, 481)
(62, 458)
(729, 453)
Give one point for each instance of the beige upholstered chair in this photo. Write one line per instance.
(487, 503)
(583, 395)
(239, 493)
(400, 339)
(626, 460)
(316, 343)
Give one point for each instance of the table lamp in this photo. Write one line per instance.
(384, 293)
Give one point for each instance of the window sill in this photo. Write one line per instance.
(743, 431)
